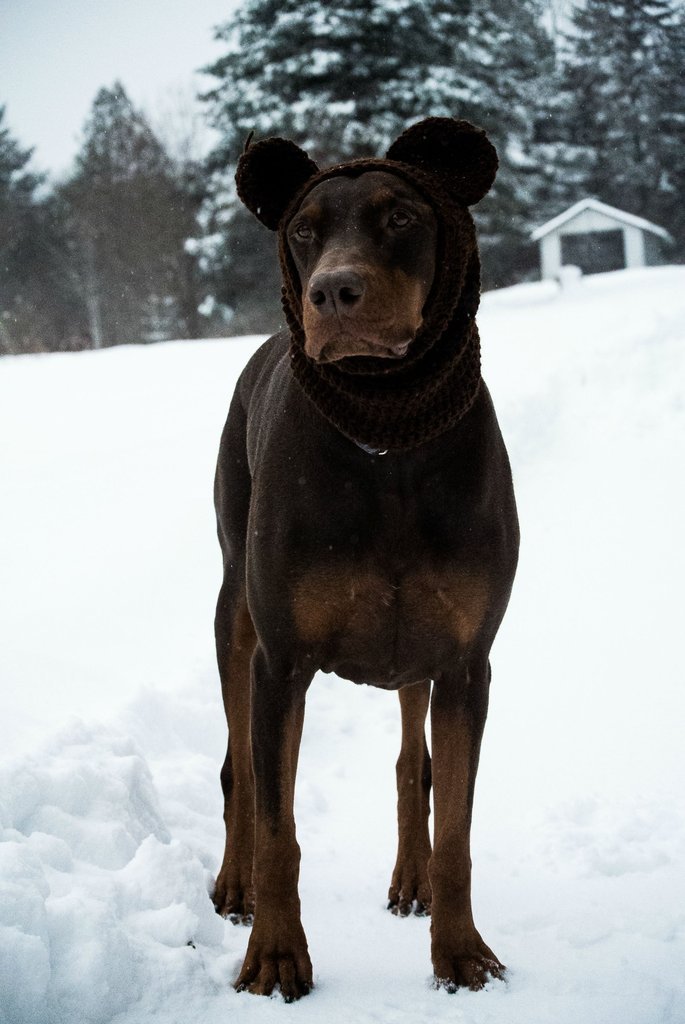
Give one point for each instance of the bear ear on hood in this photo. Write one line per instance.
(457, 152)
(269, 174)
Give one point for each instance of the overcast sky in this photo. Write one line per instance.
(55, 55)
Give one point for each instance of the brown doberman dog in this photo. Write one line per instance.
(368, 526)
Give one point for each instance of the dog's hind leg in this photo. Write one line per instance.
(410, 888)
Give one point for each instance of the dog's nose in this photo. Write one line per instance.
(336, 291)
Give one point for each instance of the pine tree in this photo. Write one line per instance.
(344, 80)
(511, 62)
(340, 80)
(39, 303)
(17, 187)
(623, 108)
(129, 217)
(17, 183)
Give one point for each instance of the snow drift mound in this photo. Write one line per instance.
(91, 883)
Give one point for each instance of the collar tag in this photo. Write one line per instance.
(369, 450)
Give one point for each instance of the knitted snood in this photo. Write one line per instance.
(393, 405)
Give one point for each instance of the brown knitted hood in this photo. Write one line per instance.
(377, 403)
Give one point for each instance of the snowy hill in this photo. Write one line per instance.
(112, 730)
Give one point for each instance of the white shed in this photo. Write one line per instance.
(597, 237)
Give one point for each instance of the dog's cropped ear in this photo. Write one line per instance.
(269, 174)
(456, 152)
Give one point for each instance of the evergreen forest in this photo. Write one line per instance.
(143, 241)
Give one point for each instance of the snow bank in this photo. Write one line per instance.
(112, 730)
(95, 895)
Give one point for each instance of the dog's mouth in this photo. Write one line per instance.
(358, 311)
(332, 351)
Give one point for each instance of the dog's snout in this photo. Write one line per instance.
(335, 291)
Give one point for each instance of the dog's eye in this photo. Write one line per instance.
(303, 232)
(399, 219)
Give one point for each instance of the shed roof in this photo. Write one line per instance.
(609, 211)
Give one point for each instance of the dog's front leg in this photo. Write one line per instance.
(458, 711)
(277, 951)
(235, 643)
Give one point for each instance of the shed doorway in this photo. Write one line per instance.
(594, 251)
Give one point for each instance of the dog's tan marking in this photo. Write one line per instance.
(458, 601)
(327, 602)
(390, 312)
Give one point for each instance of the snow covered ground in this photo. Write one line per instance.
(112, 732)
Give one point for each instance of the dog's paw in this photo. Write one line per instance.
(471, 967)
(277, 957)
(404, 902)
(234, 902)
(410, 890)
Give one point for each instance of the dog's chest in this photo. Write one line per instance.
(385, 588)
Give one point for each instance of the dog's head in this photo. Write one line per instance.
(364, 248)
(364, 242)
